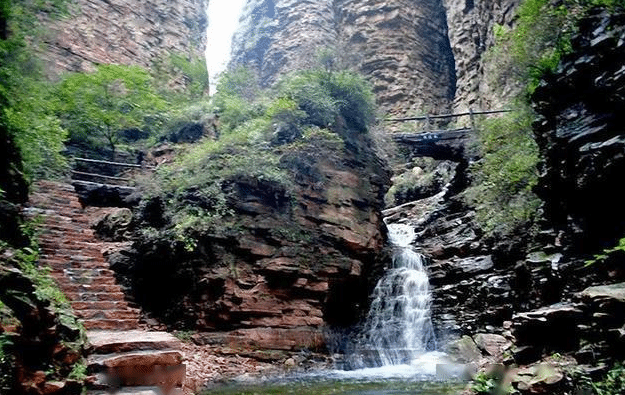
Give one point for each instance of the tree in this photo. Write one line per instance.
(94, 107)
(27, 119)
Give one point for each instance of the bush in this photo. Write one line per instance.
(503, 179)
(323, 95)
(613, 383)
(257, 128)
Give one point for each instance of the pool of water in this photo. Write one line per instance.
(341, 387)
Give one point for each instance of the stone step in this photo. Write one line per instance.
(97, 288)
(169, 379)
(100, 305)
(107, 342)
(84, 272)
(69, 264)
(109, 314)
(96, 297)
(77, 279)
(105, 324)
(99, 362)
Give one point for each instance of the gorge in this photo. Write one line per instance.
(256, 224)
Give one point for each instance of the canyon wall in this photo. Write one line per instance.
(124, 32)
(470, 26)
(421, 56)
(400, 46)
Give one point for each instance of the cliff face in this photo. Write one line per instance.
(400, 46)
(291, 263)
(580, 134)
(470, 27)
(124, 32)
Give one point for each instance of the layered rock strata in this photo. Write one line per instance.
(292, 263)
(580, 136)
(471, 33)
(124, 32)
(400, 46)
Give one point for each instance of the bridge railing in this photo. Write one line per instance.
(101, 178)
(430, 134)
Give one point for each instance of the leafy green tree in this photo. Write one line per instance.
(94, 107)
(26, 107)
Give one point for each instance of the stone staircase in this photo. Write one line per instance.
(124, 357)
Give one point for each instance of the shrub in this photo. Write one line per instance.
(503, 179)
(325, 94)
(613, 383)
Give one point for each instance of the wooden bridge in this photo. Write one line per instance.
(442, 143)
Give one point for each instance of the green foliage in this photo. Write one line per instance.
(613, 383)
(541, 36)
(323, 95)
(485, 384)
(608, 253)
(257, 127)
(181, 78)
(184, 336)
(27, 259)
(237, 97)
(503, 179)
(26, 100)
(534, 46)
(94, 107)
(79, 371)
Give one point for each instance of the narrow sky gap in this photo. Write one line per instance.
(223, 17)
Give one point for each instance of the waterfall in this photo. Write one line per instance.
(398, 329)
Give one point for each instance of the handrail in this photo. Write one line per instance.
(445, 116)
(101, 176)
(104, 162)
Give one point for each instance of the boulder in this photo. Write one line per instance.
(103, 195)
(463, 350)
(551, 328)
(491, 344)
(597, 295)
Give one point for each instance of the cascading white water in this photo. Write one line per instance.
(398, 329)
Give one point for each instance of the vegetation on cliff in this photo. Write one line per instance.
(41, 340)
(503, 181)
(257, 130)
(25, 116)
